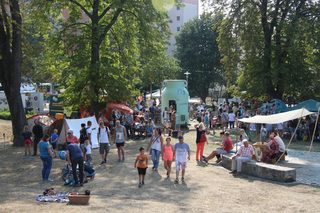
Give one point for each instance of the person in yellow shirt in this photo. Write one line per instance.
(141, 164)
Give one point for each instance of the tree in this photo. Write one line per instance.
(268, 45)
(157, 68)
(97, 46)
(10, 64)
(198, 54)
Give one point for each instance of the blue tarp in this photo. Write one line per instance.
(311, 105)
(274, 106)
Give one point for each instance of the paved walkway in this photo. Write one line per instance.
(307, 165)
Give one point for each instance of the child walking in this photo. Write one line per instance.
(88, 148)
(26, 134)
(141, 164)
(167, 156)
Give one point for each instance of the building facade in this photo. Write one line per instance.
(178, 16)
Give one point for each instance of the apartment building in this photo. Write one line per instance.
(178, 16)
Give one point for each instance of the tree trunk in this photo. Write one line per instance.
(11, 67)
(95, 58)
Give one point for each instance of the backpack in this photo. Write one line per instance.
(107, 129)
(83, 135)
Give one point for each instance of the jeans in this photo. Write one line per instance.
(155, 156)
(47, 164)
(89, 158)
(74, 163)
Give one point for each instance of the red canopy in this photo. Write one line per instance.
(120, 107)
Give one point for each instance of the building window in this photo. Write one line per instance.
(178, 8)
(178, 18)
(170, 21)
(178, 29)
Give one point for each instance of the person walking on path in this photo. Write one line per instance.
(104, 141)
(200, 140)
(37, 131)
(181, 154)
(156, 143)
(46, 155)
(167, 155)
(120, 138)
(244, 154)
(75, 158)
(141, 163)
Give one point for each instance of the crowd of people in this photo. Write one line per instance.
(122, 126)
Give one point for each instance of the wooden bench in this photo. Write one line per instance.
(263, 170)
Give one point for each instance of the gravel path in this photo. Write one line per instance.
(307, 165)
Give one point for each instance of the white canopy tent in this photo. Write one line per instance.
(75, 125)
(280, 118)
(277, 118)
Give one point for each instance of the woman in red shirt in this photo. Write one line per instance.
(71, 138)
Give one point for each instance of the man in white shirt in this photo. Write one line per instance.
(244, 154)
(104, 141)
(282, 146)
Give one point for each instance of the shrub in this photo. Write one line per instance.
(5, 115)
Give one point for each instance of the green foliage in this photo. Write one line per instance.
(270, 49)
(198, 53)
(97, 52)
(5, 115)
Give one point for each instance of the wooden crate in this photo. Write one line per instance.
(79, 199)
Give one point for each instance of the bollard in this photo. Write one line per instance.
(4, 140)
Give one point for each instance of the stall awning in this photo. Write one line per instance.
(277, 118)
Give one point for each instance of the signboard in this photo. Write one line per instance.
(56, 105)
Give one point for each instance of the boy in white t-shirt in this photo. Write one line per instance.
(181, 154)
(88, 157)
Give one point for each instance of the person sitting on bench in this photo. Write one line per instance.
(244, 154)
(226, 147)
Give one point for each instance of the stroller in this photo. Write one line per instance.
(67, 176)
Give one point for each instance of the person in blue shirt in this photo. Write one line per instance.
(46, 155)
(75, 158)
(54, 138)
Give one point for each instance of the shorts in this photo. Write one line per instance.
(221, 151)
(27, 141)
(180, 165)
(104, 147)
(142, 171)
(119, 144)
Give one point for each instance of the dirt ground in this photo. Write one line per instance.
(114, 189)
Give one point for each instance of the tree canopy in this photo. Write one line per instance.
(269, 48)
(198, 54)
(98, 49)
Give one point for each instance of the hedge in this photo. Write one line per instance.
(5, 115)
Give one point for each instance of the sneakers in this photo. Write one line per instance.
(233, 172)
(176, 181)
(140, 184)
(204, 159)
(182, 180)
(102, 162)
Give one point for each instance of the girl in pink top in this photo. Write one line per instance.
(167, 155)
